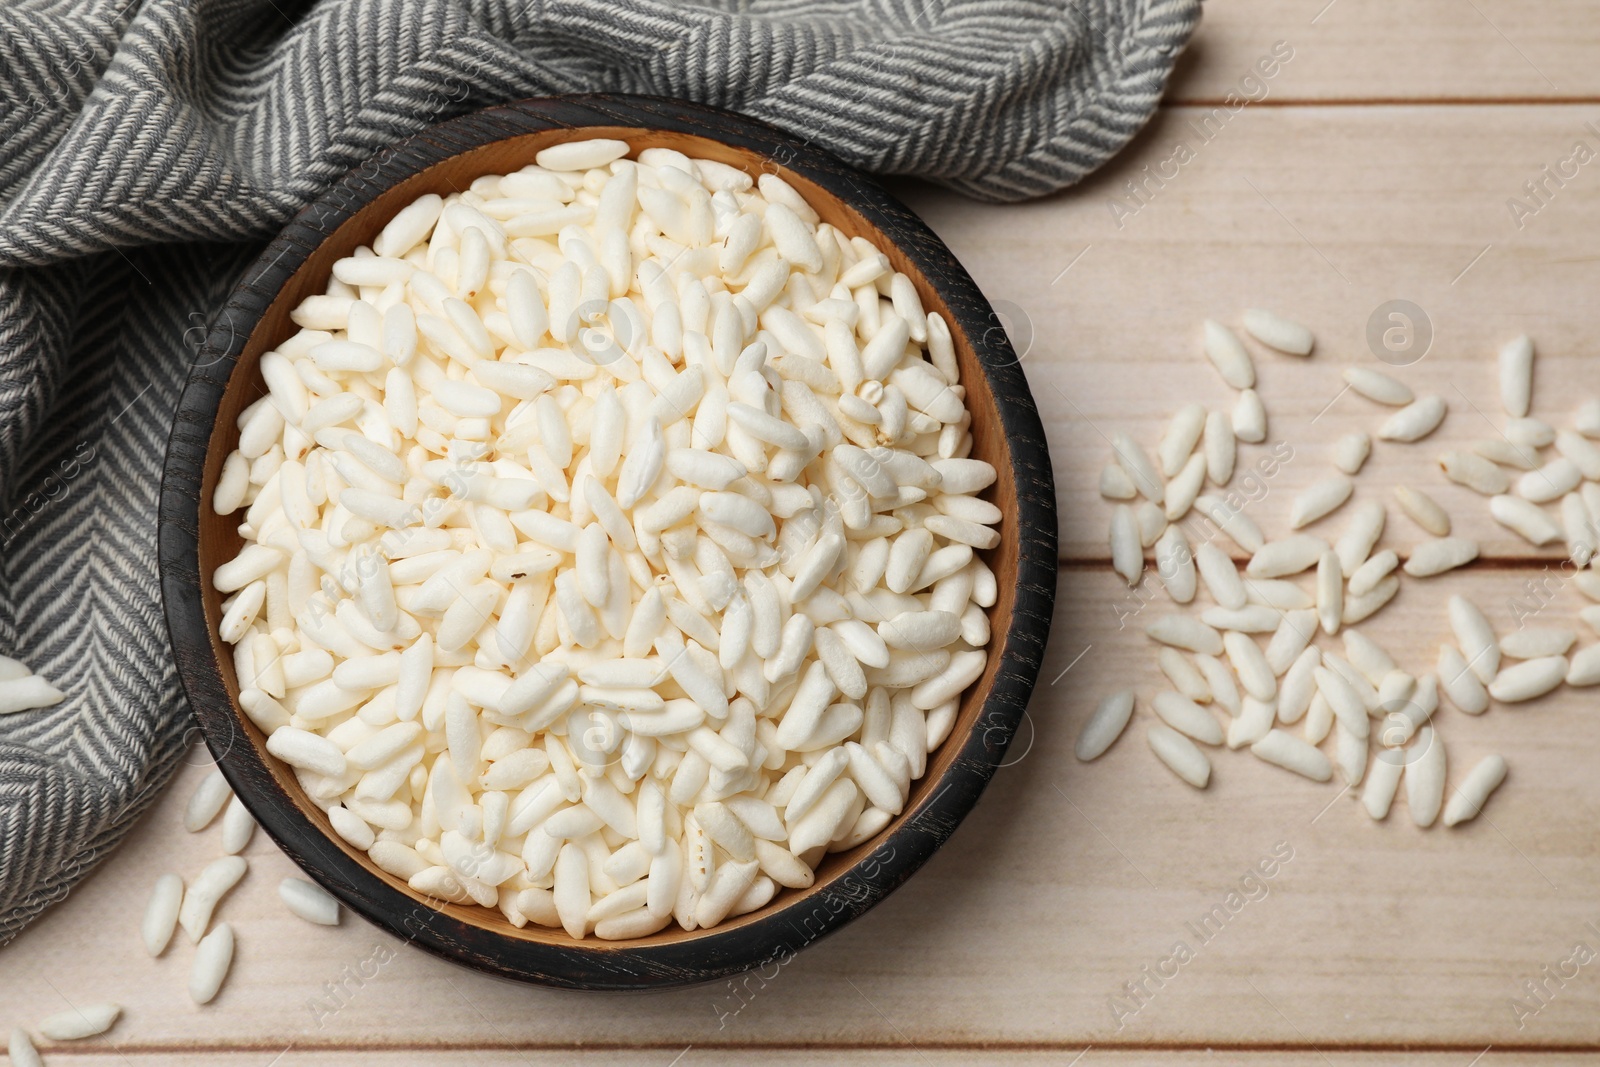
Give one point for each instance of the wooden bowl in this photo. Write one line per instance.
(194, 540)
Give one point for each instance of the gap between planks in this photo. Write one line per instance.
(64, 1049)
(1482, 563)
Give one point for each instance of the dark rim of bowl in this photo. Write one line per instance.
(611, 965)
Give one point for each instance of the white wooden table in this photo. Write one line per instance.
(1377, 166)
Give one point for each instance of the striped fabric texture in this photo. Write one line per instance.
(149, 147)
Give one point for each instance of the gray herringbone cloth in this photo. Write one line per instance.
(148, 147)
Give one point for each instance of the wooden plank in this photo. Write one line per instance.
(1377, 907)
(1371, 50)
(1024, 928)
(1066, 883)
(1325, 215)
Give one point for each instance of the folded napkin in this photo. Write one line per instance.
(149, 147)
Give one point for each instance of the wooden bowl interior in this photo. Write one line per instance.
(220, 540)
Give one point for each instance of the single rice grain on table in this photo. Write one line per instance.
(77, 1023)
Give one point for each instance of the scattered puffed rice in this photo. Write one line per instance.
(1294, 679)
